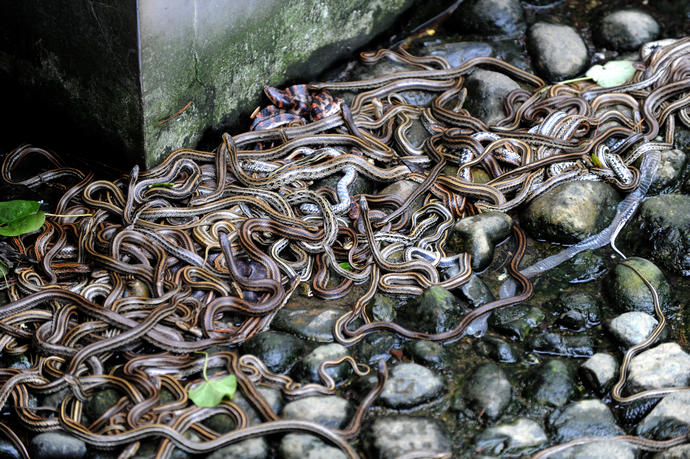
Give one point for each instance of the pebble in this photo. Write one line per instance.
(427, 352)
(670, 418)
(403, 189)
(478, 236)
(666, 365)
(497, 349)
(328, 410)
(100, 402)
(486, 91)
(488, 391)
(393, 436)
(632, 328)
(602, 449)
(553, 384)
(669, 172)
(382, 307)
(308, 367)
(521, 437)
(410, 385)
(627, 30)
(377, 346)
(304, 446)
(491, 17)
(277, 350)
(459, 52)
(585, 418)
(579, 310)
(56, 445)
(517, 321)
(436, 310)
(628, 292)
(599, 371)
(311, 323)
(565, 345)
(8, 450)
(475, 292)
(558, 51)
(224, 423)
(251, 448)
(571, 212)
(584, 267)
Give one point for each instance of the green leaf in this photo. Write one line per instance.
(613, 73)
(211, 392)
(4, 270)
(162, 185)
(25, 225)
(14, 210)
(346, 266)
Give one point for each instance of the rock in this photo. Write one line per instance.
(496, 348)
(632, 328)
(553, 384)
(579, 310)
(665, 365)
(100, 402)
(403, 189)
(583, 267)
(518, 438)
(251, 448)
(602, 449)
(627, 30)
(56, 445)
(557, 51)
(628, 292)
(491, 17)
(586, 418)
(328, 410)
(669, 172)
(377, 346)
(458, 53)
(382, 308)
(427, 352)
(410, 385)
(517, 320)
(8, 450)
(486, 91)
(303, 446)
(488, 390)
(670, 418)
(565, 345)
(394, 436)
(435, 311)
(662, 229)
(278, 351)
(223, 423)
(308, 367)
(599, 371)
(571, 212)
(677, 452)
(478, 236)
(312, 323)
(475, 292)
(360, 185)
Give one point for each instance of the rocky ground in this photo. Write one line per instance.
(543, 371)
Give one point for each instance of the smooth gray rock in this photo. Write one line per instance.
(627, 30)
(391, 437)
(586, 418)
(632, 328)
(571, 212)
(436, 310)
(599, 371)
(427, 352)
(251, 448)
(328, 410)
(583, 267)
(303, 446)
(377, 346)
(491, 17)
(278, 351)
(666, 365)
(670, 418)
(311, 323)
(668, 172)
(488, 391)
(382, 307)
(486, 91)
(557, 51)
(553, 384)
(628, 292)
(475, 292)
(497, 348)
(677, 452)
(409, 385)
(565, 345)
(517, 320)
(460, 52)
(403, 189)
(308, 367)
(478, 236)
(56, 445)
(521, 437)
(602, 449)
(223, 423)
(8, 450)
(578, 310)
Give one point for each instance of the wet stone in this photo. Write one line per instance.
(458, 53)
(475, 292)
(565, 345)
(392, 437)
(571, 212)
(670, 418)
(56, 445)
(435, 311)
(627, 30)
(8, 450)
(410, 385)
(491, 17)
(669, 172)
(586, 418)
(488, 391)
(602, 449)
(517, 320)
(628, 292)
(521, 437)
(303, 446)
(251, 448)
(599, 371)
(403, 189)
(377, 346)
(312, 323)
(328, 410)
(553, 384)
(427, 352)
(382, 308)
(223, 423)
(557, 51)
(677, 452)
(486, 91)
(665, 365)
(632, 328)
(100, 402)
(579, 310)
(278, 351)
(478, 236)
(308, 367)
(583, 267)
(497, 349)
